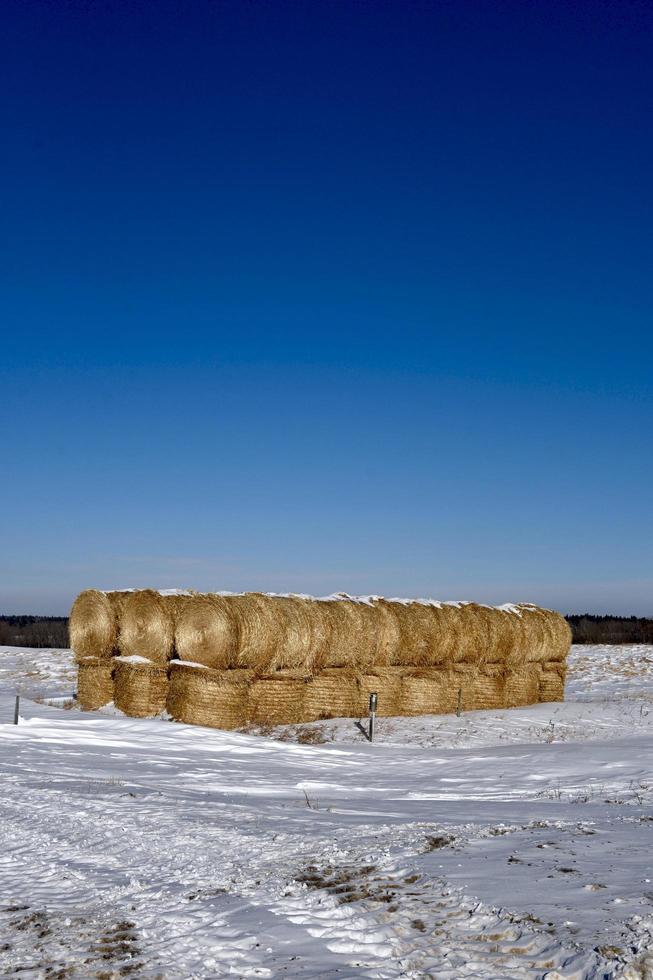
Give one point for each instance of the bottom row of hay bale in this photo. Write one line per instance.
(230, 699)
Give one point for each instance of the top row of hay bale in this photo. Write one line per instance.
(268, 633)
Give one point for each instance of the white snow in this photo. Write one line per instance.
(499, 844)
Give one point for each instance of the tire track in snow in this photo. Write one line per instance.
(142, 864)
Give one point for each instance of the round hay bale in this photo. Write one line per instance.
(206, 631)
(300, 639)
(261, 626)
(147, 624)
(278, 699)
(522, 685)
(488, 687)
(388, 634)
(536, 631)
(427, 691)
(507, 637)
(139, 688)
(386, 682)
(95, 682)
(472, 625)
(350, 628)
(214, 698)
(559, 637)
(94, 623)
(552, 681)
(423, 639)
(331, 694)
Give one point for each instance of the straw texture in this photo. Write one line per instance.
(386, 682)
(95, 682)
(139, 689)
(278, 699)
(299, 638)
(350, 628)
(147, 624)
(214, 698)
(428, 691)
(94, 623)
(552, 681)
(261, 626)
(207, 631)
(331, 694)
(522, 686)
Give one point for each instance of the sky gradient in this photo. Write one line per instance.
(327, 296)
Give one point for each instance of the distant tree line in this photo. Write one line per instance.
(34, 631)
(611, 629)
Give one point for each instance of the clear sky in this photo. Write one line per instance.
(323, 295)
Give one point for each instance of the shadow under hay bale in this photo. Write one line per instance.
(214, 698)
(386, 682)
(278, 699)
(331, 694)
(139, 689)
(552, 681)
(522, 686)
(147, 624)
(94, 623)
(427, 691)
(207, 631)
(95, 682)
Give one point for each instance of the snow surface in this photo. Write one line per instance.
(499, 844)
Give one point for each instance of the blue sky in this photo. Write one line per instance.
(322, 296)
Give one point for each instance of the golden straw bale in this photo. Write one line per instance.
(332, 693)
(489, 687)
(386, 682)
(95, 682)
(261, 623)
(507, 637)
(139, 688)
(300, 639)
(522, 685)
(278, 699)
(422, 636)
(94, 623)
(215, 698)
(552, 681)
(427, 691)
(207, 631)
(473, 632)
(147, 624)
(388, 634)
(351, 633)
(538, 633)
(560, 636)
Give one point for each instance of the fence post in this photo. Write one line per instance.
(16, 707)
(460, 702)
(373, 706)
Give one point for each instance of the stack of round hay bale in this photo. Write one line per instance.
(226, 660)
(123, 642)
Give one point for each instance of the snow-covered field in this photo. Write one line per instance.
(499, 844)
